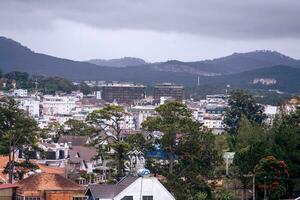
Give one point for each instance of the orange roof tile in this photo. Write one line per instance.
(3, 162)
(51, 170)
(45, 181)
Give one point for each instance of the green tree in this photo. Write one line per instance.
(17, 131)
(173, 119)
(250, 133)
(224, 195)
(287, 145)
(108, 122)
(77, 127)
(84, 88)
(52, 85)
(22, 78)
(191, 153)
(253, 143)
(272, 174)
(241, 103)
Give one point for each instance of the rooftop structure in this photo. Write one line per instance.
(169, 90)
(122, 93)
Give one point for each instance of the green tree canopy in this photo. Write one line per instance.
(17, 131)
(241, 103)
(191, 153)
(77, 127)
(108, 121)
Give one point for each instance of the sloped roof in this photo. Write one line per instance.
(45, 181)
(107, 191)
(51, 169)
(85, 153)
(5, 186)
(75, 140)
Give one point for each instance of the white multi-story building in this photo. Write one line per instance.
(214, 123)
(127, 123)
(210, 112)
(30, 105)
(58, 105)
(20, 93)
(270, 112)
(140, 114)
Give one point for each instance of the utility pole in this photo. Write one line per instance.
(253, 187)
(265, 188)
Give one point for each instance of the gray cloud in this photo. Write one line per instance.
(152, 29)
(246, 19)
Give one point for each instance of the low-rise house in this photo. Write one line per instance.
(7, 191)
(130, 188)
(83, 166)
(45, 186)
(41, 168)
(82, 158)
(53, 154)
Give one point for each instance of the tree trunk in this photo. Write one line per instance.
(119, 167)
(171, 162)
(244, 192)
(10, 174)
(10, 162)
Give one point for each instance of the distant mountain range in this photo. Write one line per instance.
(120, 62)
(237, 69)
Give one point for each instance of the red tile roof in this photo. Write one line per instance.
(5, 186)
(44, 181)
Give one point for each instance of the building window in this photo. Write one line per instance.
(127, 198)
(18, 197)
(32, 198)
(147, 197)
(79, 198)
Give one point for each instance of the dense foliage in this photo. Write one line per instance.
(191, 154)
(258, 147)
(241, 103)
(17, 131)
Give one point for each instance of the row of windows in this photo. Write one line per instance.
(26, 198)
(143, 198)
(38, 198)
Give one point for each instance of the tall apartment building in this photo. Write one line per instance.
(169, 90)
(122, 93)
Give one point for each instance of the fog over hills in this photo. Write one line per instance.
(238, 68)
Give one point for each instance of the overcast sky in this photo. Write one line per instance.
(155, 30)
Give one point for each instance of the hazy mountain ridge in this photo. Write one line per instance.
(237, 62)
(247, 66)
(119, 62)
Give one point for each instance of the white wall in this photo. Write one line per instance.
(31, 106)
(147, 186)
(58, 105)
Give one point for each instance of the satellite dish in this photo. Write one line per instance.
(143, 172)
